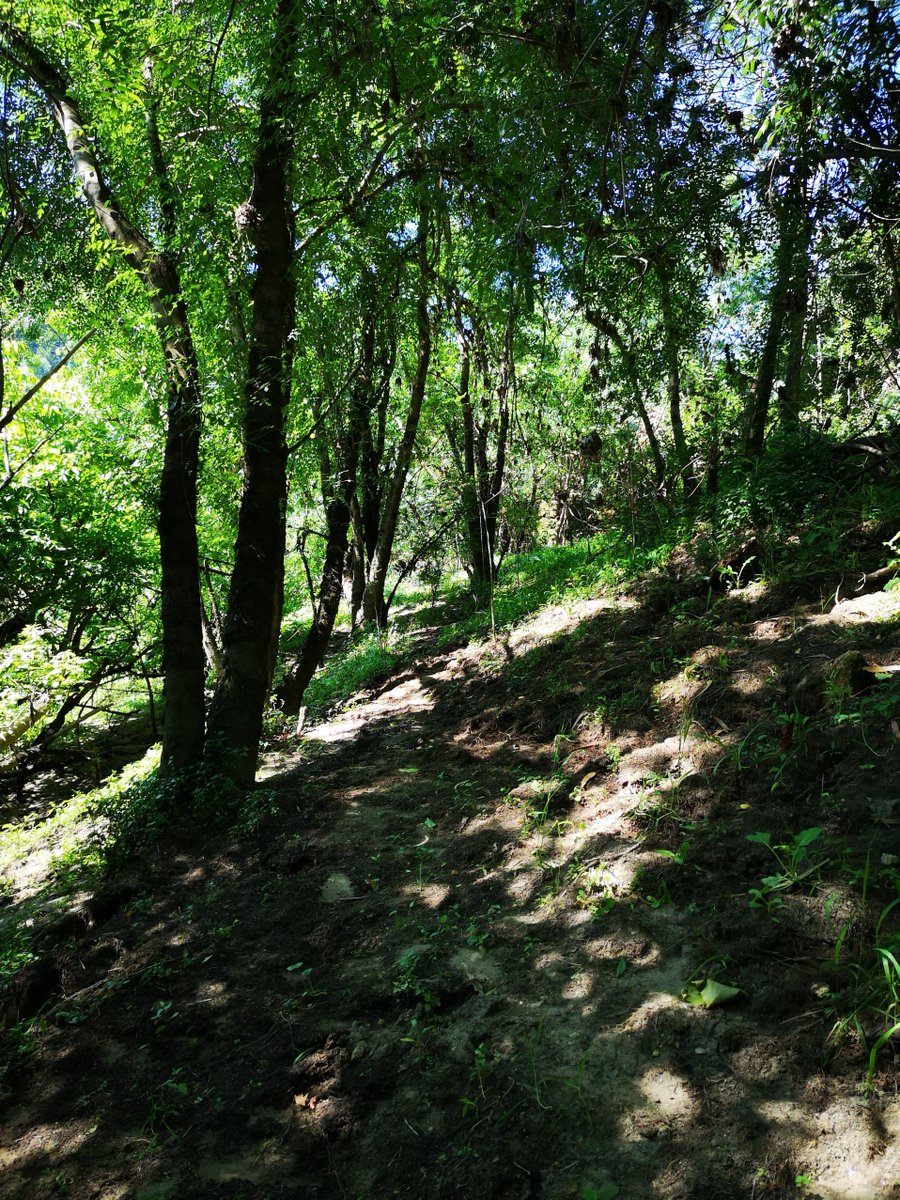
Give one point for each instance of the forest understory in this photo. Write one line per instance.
(599, 907)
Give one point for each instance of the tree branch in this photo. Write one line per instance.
(11, 413)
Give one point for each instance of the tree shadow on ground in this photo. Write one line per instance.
(448, 963)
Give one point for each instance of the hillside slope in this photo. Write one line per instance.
(462, 954)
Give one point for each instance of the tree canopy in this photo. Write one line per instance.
(297, 301)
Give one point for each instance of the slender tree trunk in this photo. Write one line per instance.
(374, 606)
(627, 356)
(471, 492)
(790, 396)
(358, 583)
(492, 485)
(890, 254)
(765, 373)
(290, 690)
(337, 516)
(689, 480)
(780, 303)
(181, 608)
(253, 619)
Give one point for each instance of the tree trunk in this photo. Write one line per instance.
(358, 583)
(253, 618)
(183, 658)
(790, 396)
(689, 480)
(337, 516)
(479, 561)
(627, 356)
(374, 606)
(780, 302)
(290, 690)
(890, 254)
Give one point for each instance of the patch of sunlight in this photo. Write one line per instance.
(214, 993)
(579, 987)
(477, 966)
(432, 895)
(750, 682)
(47, 1139)
(665, 1090)
(341, 729)
(559, 619)
(670, 756)
(779, 1112)
(33, 847)
(679, 689)
(406, 698)
(751, 594)
(337, 887)
(841, 1159)
(877, 606)
(654, 1003)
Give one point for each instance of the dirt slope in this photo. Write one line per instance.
(449, 963)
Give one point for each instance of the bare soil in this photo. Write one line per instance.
(450, 960)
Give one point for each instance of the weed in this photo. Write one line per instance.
(408, 979)
(304, 975)
(657, 810)
(478, 1076)
(596, 890)
(606, 1191)
(791, 858)
(873, 1012)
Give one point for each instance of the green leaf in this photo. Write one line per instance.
(709, 993)
(805, 836)
(765, 839)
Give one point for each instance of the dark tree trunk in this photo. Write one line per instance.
(890, 254)
(482, 480)
(781, 300)
(790, 395)
(358, 583)
(181, 609)
(374, 603)
(253, 619)
(480, 562)
(337, 517)
(688, 476)
(627, 356)
(290, 690)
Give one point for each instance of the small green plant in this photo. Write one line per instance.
(791, 858)
(308, 991)
(596, 890)
(606, 1191)
(409, 982)
(874, 1009)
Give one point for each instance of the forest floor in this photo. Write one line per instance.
(452, 958)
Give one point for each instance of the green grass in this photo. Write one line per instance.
(367, 658)
(545, 576)
(74, 835)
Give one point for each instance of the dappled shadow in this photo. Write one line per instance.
(448, 963)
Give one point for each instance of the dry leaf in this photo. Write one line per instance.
(304, 1100)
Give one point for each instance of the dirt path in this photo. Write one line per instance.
(450, 962)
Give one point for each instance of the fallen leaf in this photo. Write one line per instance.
(709, 993)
